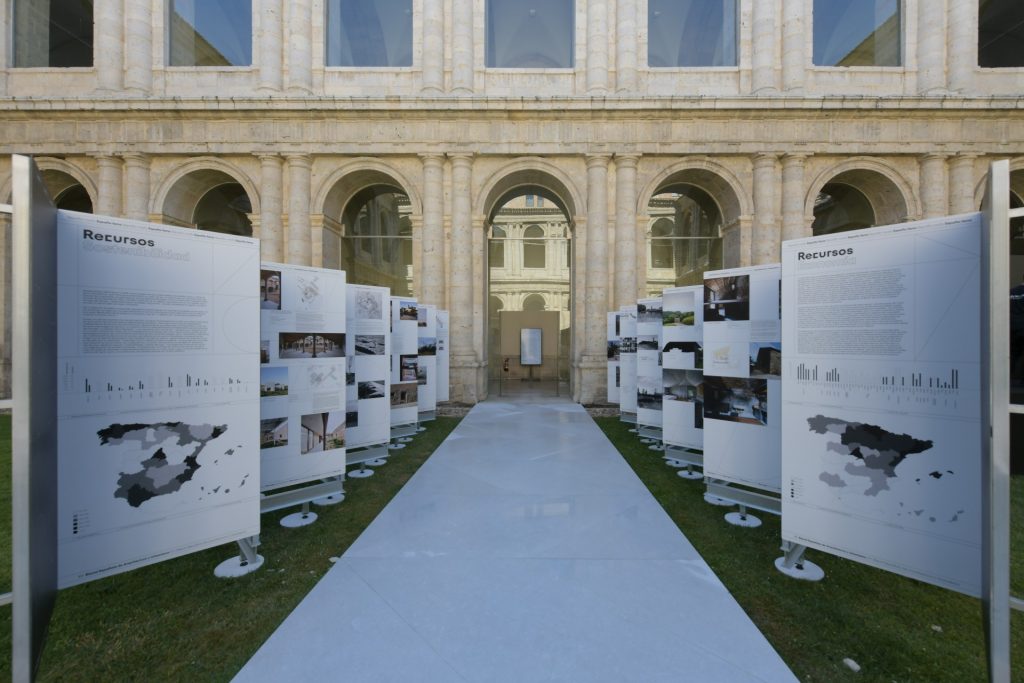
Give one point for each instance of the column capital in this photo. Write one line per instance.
(795, 158)
(940, 156)
(105, 158)
(431, 157)
(267, 157)
(628, 160)
(135, 158)
(299, 159)
(966, 156)
(461, 158)
(600, 159)
(762, 159)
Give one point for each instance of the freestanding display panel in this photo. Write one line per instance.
(426, 371)
(648, 367)
(682, 357)
(627, 363)
(443, 357)
(614, 345)
(369, 376)
(404, 363)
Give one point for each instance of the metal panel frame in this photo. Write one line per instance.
(33, 427)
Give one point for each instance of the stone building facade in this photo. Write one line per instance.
(130, 135)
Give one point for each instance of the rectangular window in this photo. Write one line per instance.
(1000, 33)
(52, 33)
(691, 33)
(369, 33)
(529, 200)
(210, 33)
(858, 32)
(523, 35)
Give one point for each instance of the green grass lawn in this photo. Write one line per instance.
(896, 628)
(175, 620)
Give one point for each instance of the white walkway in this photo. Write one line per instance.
(524, 549)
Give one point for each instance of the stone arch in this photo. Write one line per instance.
(338, 188)
(178, 195)
(534, 302)
(721, 184)
(1016, 181)
(530, 172)
(59, 175)
(891, 196)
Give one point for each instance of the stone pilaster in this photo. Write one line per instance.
(271, 206)
(464, 363)
(109, 33)
(136, 186)
(432, 20)
(962, 45)
(432, 235)
(794, 224)
(138, 59)
(767, 207)
(300, 250)
(597, 46)
(625, 229)
(961, 183)
(934, 185)
(300, 46)
(462, 46)
(794, 46)
(626, 47)
(765, 47)
(931, 46)
(111, 179)
(269, 43)
(595, 354)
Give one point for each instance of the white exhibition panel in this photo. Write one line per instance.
(682, 359)
(613, 357)
(159, 393)
(426, 348)
(648, 362)
(742, 376)
(302, 374)
(368, 383)
(627, 359)
(404, 361)
(882, 427)
(444, 379)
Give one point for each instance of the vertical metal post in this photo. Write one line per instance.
(995, 449)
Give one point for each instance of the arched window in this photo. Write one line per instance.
(75, 198)
(683, 238)
(225, 209)
(534, 302)
(376, 239)
(839, 208)
(661, 249)
(496, 257)
(533, 247)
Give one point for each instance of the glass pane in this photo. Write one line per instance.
(210, 33)
(369, 33)
(225, 209)
(691, 33)
(530, 35)
(54, 33)
(857, 33)
(377, 244)
(839, 208)
(683, 237)
(1000, 33)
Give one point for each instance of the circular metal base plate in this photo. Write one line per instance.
(396, 446)
(715, 500)
(297, 519)
(332, 499)
(377, 462)
(689, 474)
(359, 474)
(805, 571)
(234, 568)
(748, 520)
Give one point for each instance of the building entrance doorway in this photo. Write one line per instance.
(529, 287)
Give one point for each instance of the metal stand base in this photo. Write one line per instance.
(714, 500)
(645, 440)
(361, 473)
(237, 567)
(675, 463)
(377, 462)
(332, 499)
(396, 446)
(743, 519)
(405, 439)
(298, 519)
(632, 430)
(656, 447)
(420, 429)
(689, 474)
(804, 570)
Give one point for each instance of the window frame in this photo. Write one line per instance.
(904, 52)
(253, 45)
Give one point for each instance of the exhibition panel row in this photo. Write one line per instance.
(866, 434)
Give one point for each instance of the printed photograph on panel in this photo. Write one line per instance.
(407, 310)
(264, 350)
(270, 290)
(351, 419)
(427, 346)
(648, 313)
(292, 345)
(613, 349)
(421, 374)
(404, 394)
(322, 432)
(274, 381)
(682, 312)
(766, 359)
(675, 349)
(736, 399)
(647, 343)
(628, 345)
(421, 317)
(371, 389)
(274, 432)
(369, 344)
(407, 365)
(369, 304)
(648, 392)
(727, 298)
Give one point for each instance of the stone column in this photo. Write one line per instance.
(794, 225)
(300, 46)
(109, 202)
(109, 33)
(432, 236)
(765, 48)
(625, 229)
(268, 44)
(300, 251)
(464, 361)
(961, 183)
(962, 45)
(934, 185)
(626, 49)
(767, 207)
(794, 56)
(139, 46)
(462, 46)
(597, 46)
(136, 186)
(595, 355)
(271, 206)
(931, 45)
(433, 46)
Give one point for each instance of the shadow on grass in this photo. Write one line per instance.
(176, 621)
(895, 628)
